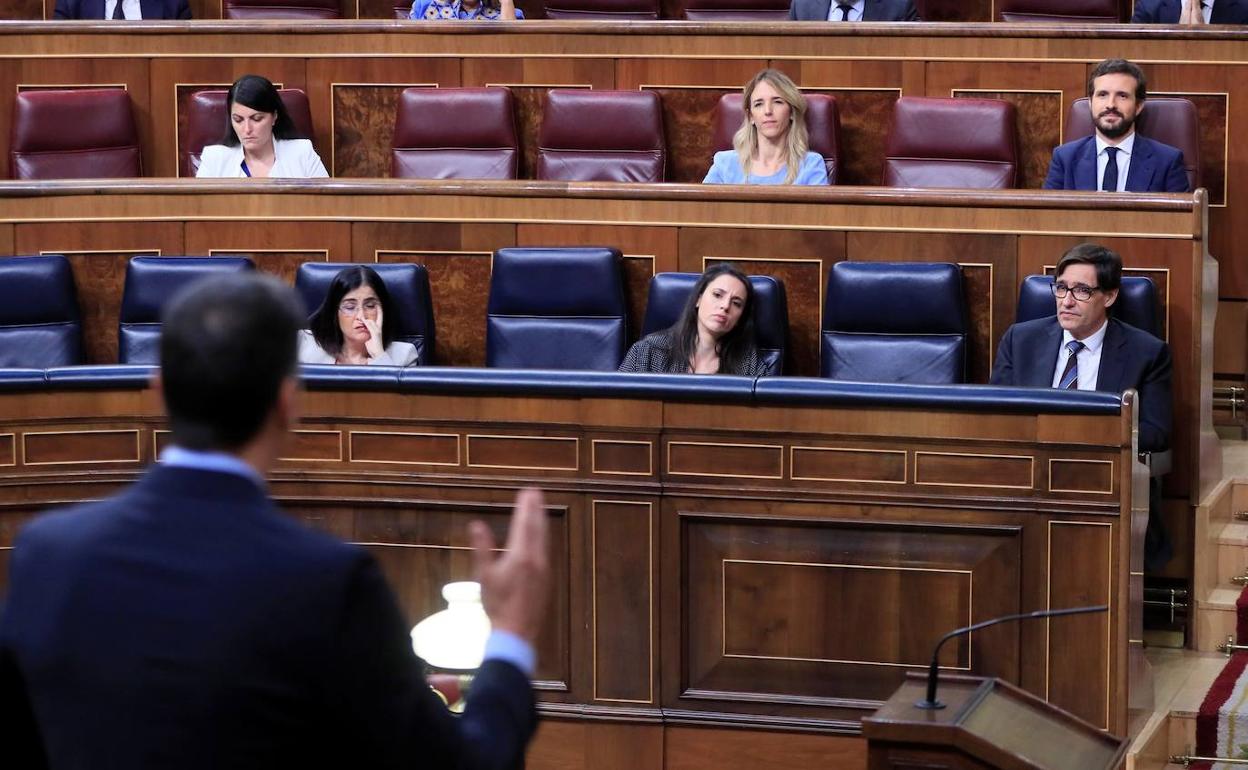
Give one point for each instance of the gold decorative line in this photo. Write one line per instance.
(337, 433)
(671, 444)
(1136, 574)
(1031, 461)
(78, 86)
(1136, 642)
(723, 582)
(137, 446)
(1110, 463)
(13, 445)
(1061, 95)
(575, 441)
(905, 470)
(652, 257)
(353, 433)
(156, 443)
(593, 457)
(333, 126)
(1048, 605)
(1226, 138)
(136, 252)
(593, 573)
(245, 252)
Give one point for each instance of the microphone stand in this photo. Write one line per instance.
(930, 701)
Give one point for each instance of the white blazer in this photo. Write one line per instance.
(398, 354)
(295, 159)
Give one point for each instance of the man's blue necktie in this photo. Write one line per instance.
(1109, 182)
(1070, 375)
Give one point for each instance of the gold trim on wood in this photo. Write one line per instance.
(134, 252)
(593, 596)
(245, 252)
(1052, 488)
(13, 444)
(156, 432)
(137, 446)
(17, 89)
(575, 441)
(593, 457)
(671, 444)
(723, 614)
(1030, 459)
(337, 433)
(905, 465)
(351, 434)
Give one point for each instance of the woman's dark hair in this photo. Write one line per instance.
(324, 322)
(734, 346)
(259, 94)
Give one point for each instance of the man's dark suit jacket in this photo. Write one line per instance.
(873, 10)
(1155, 167)
(188, 623)
(1167, 12)
(94, 9)
(1130, 358)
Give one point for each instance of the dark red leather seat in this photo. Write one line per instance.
(601, 136)
(967, 143)
(455, 133)
(281, 9)
(204, 123)
(1169, 120)
(74, 134)
(823, 124)
(1086, 11)
(615, 10)
(735, 10)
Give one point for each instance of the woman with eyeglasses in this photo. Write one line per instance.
(349, 326)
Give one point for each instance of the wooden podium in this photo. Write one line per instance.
(986, 723)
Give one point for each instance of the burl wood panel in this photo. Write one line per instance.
(277, 248)
(382, 9)
(767, 604)
(23, 9)
(423, 546)
(623, 553)
(1211, 116)
(804, 287)
(954, 10)
(1080, 575)
(74, 447)
(689, 128)
(1039, 129)
(363, 129)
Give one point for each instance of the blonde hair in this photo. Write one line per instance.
(745, 141)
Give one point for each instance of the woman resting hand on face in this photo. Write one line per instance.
(772, 145)
(349, 326)
(714, 334)
(260, 138)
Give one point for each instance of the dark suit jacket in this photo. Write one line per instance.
(1155, 167)
(1167, 12)
(1130, 358)
(873, 10)
(94, 9)
(188, 623)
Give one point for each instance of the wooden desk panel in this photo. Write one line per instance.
(727, 588)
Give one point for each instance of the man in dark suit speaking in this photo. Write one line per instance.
(188, 623)
(1190, 12)
(1115, 158)
(154, 10)
(857, 10)
(1084, 349)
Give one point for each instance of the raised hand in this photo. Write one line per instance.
(515, 585)
(374, 345)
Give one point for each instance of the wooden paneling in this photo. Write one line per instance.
(278, 248)
(404, 448)
(622, 548)
(80, 447)
(690, 748)
(1082, 573)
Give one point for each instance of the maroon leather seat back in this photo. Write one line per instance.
(823, 124)
(74, 134)
(601, 136)
(735, 10)
(616, 10)
(281, 9)
(1087, 11)
(1169, 120)
(967, 143)
(205, 123)
(455, 133)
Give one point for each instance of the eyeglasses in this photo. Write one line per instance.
(1081, 292)
(351, 307)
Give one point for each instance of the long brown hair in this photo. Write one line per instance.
(745, 141)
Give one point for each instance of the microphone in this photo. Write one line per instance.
(930, 701)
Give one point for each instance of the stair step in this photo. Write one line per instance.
(1233, 533)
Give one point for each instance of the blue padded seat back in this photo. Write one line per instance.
(894, 322)
(39, 323)
(556, 308)
(669, 292)
(150, 283)
(1136, 304)
(409, 294)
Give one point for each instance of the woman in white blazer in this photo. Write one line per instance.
(260, 138)
(349, 326)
